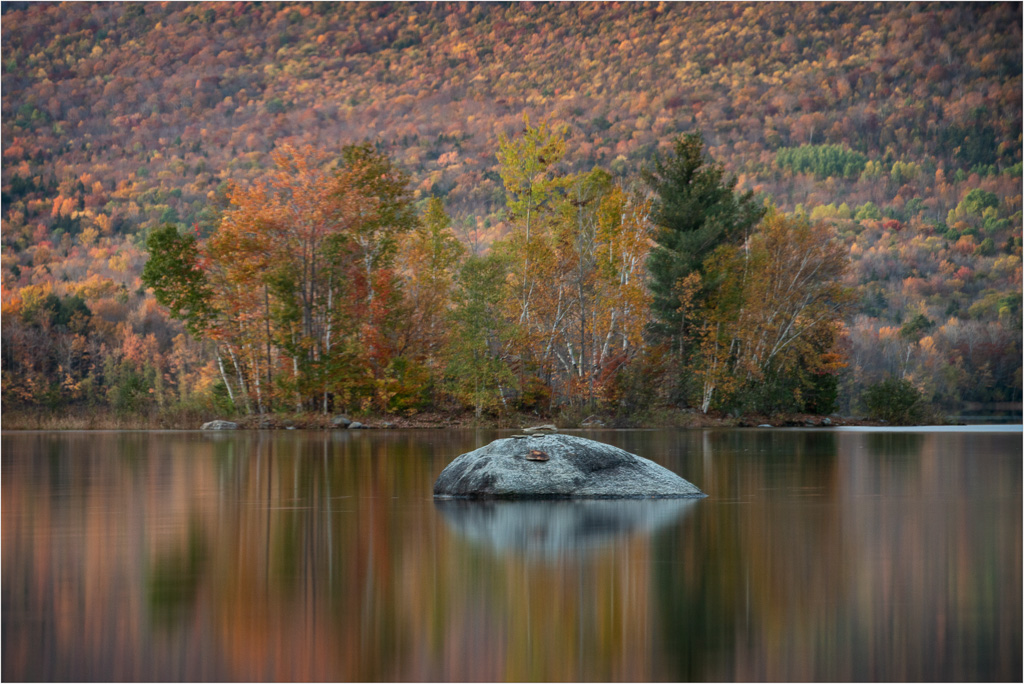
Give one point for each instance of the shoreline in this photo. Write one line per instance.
(666, 419)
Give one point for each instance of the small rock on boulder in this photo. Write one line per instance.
(219, 425)
(576, 468)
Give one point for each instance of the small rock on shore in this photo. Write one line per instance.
(219, 425)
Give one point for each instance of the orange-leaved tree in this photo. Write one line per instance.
(294, 278)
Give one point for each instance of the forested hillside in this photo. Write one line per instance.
(895, 127)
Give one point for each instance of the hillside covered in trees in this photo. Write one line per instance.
(895, 128)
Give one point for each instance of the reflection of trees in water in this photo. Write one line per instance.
(944, 579)
(325, 543)
(322, 556)
(869, 564)
(717, 575)
(239, 554)
(173, 578)
(699, 598)
(330, 550)
(797, 575)
(895, 445)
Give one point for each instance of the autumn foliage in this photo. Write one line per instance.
(321, 290)
(508, 270)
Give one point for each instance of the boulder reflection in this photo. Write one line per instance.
(549, 529)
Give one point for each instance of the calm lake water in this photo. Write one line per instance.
(818, 555)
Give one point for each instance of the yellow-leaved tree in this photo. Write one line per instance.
(768, 333)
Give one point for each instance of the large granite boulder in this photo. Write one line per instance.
(556, 466)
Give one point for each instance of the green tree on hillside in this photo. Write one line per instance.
(178, 282)
(476, 372)
(696, 210)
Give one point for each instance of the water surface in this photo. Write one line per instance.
(818, 555)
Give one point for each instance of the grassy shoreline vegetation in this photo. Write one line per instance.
(673, 214)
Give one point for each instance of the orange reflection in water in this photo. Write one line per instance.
(321, 556)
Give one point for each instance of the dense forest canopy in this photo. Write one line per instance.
(895, 127)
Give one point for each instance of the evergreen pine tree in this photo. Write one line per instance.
(695, 210)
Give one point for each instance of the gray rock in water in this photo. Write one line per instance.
(355, 426)
(576, 468)
(219, 425)
(341, 421)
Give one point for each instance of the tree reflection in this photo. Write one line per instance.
(306, 556)
(174, 577)
(895, 444)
